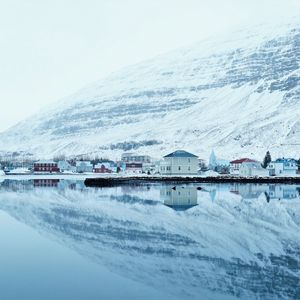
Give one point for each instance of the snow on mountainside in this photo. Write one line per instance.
(238, 94)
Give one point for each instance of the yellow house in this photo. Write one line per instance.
(179, 162)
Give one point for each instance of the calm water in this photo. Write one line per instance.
(61, 240)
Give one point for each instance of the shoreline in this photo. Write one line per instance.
(135, 180)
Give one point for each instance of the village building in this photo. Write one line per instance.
(47, 166)
(65, 166)
(252, 169)
(179, 162)
(134, 167)
(135, 158)
(283, 166)
(234, 165)
(84, 167)
(105, 167)
(149, 168)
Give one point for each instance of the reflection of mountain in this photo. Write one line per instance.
(233, 247)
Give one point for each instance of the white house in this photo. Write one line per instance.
(283, 166)
(234, 166)
(84, 167)
(65, 166)
(252, 169)
(179, 162)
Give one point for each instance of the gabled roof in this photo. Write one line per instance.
(242, 160)
(180, 153)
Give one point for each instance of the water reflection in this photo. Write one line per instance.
(179, 198)
(270, 191)
(231, 243)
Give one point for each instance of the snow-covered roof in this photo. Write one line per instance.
(45, 162)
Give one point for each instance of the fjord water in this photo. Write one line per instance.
(61, 240)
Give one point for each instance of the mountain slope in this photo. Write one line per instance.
(239, 94)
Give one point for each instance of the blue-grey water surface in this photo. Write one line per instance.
(62, 240)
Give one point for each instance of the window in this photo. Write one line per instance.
(189, 168)
(179, 168)
(189, 160)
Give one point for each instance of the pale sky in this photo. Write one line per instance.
(51, 48)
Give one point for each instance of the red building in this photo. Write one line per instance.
(46, 166)
(101, 168)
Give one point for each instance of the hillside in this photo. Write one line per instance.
(238, 94)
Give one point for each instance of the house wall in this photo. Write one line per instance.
(280, 169)
(45, 167)
(179, 166)
(234, 169)
(246, 170)
(84, 168)
(102, 170)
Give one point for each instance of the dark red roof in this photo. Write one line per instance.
(241, 160)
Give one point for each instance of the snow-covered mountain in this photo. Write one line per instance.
(238, 94)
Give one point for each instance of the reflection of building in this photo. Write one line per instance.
(271, 191)
(281, 192)
(248, 191)
(45, 182)
(179, 162)
(179, 198)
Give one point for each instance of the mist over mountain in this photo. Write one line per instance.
(238, 94)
